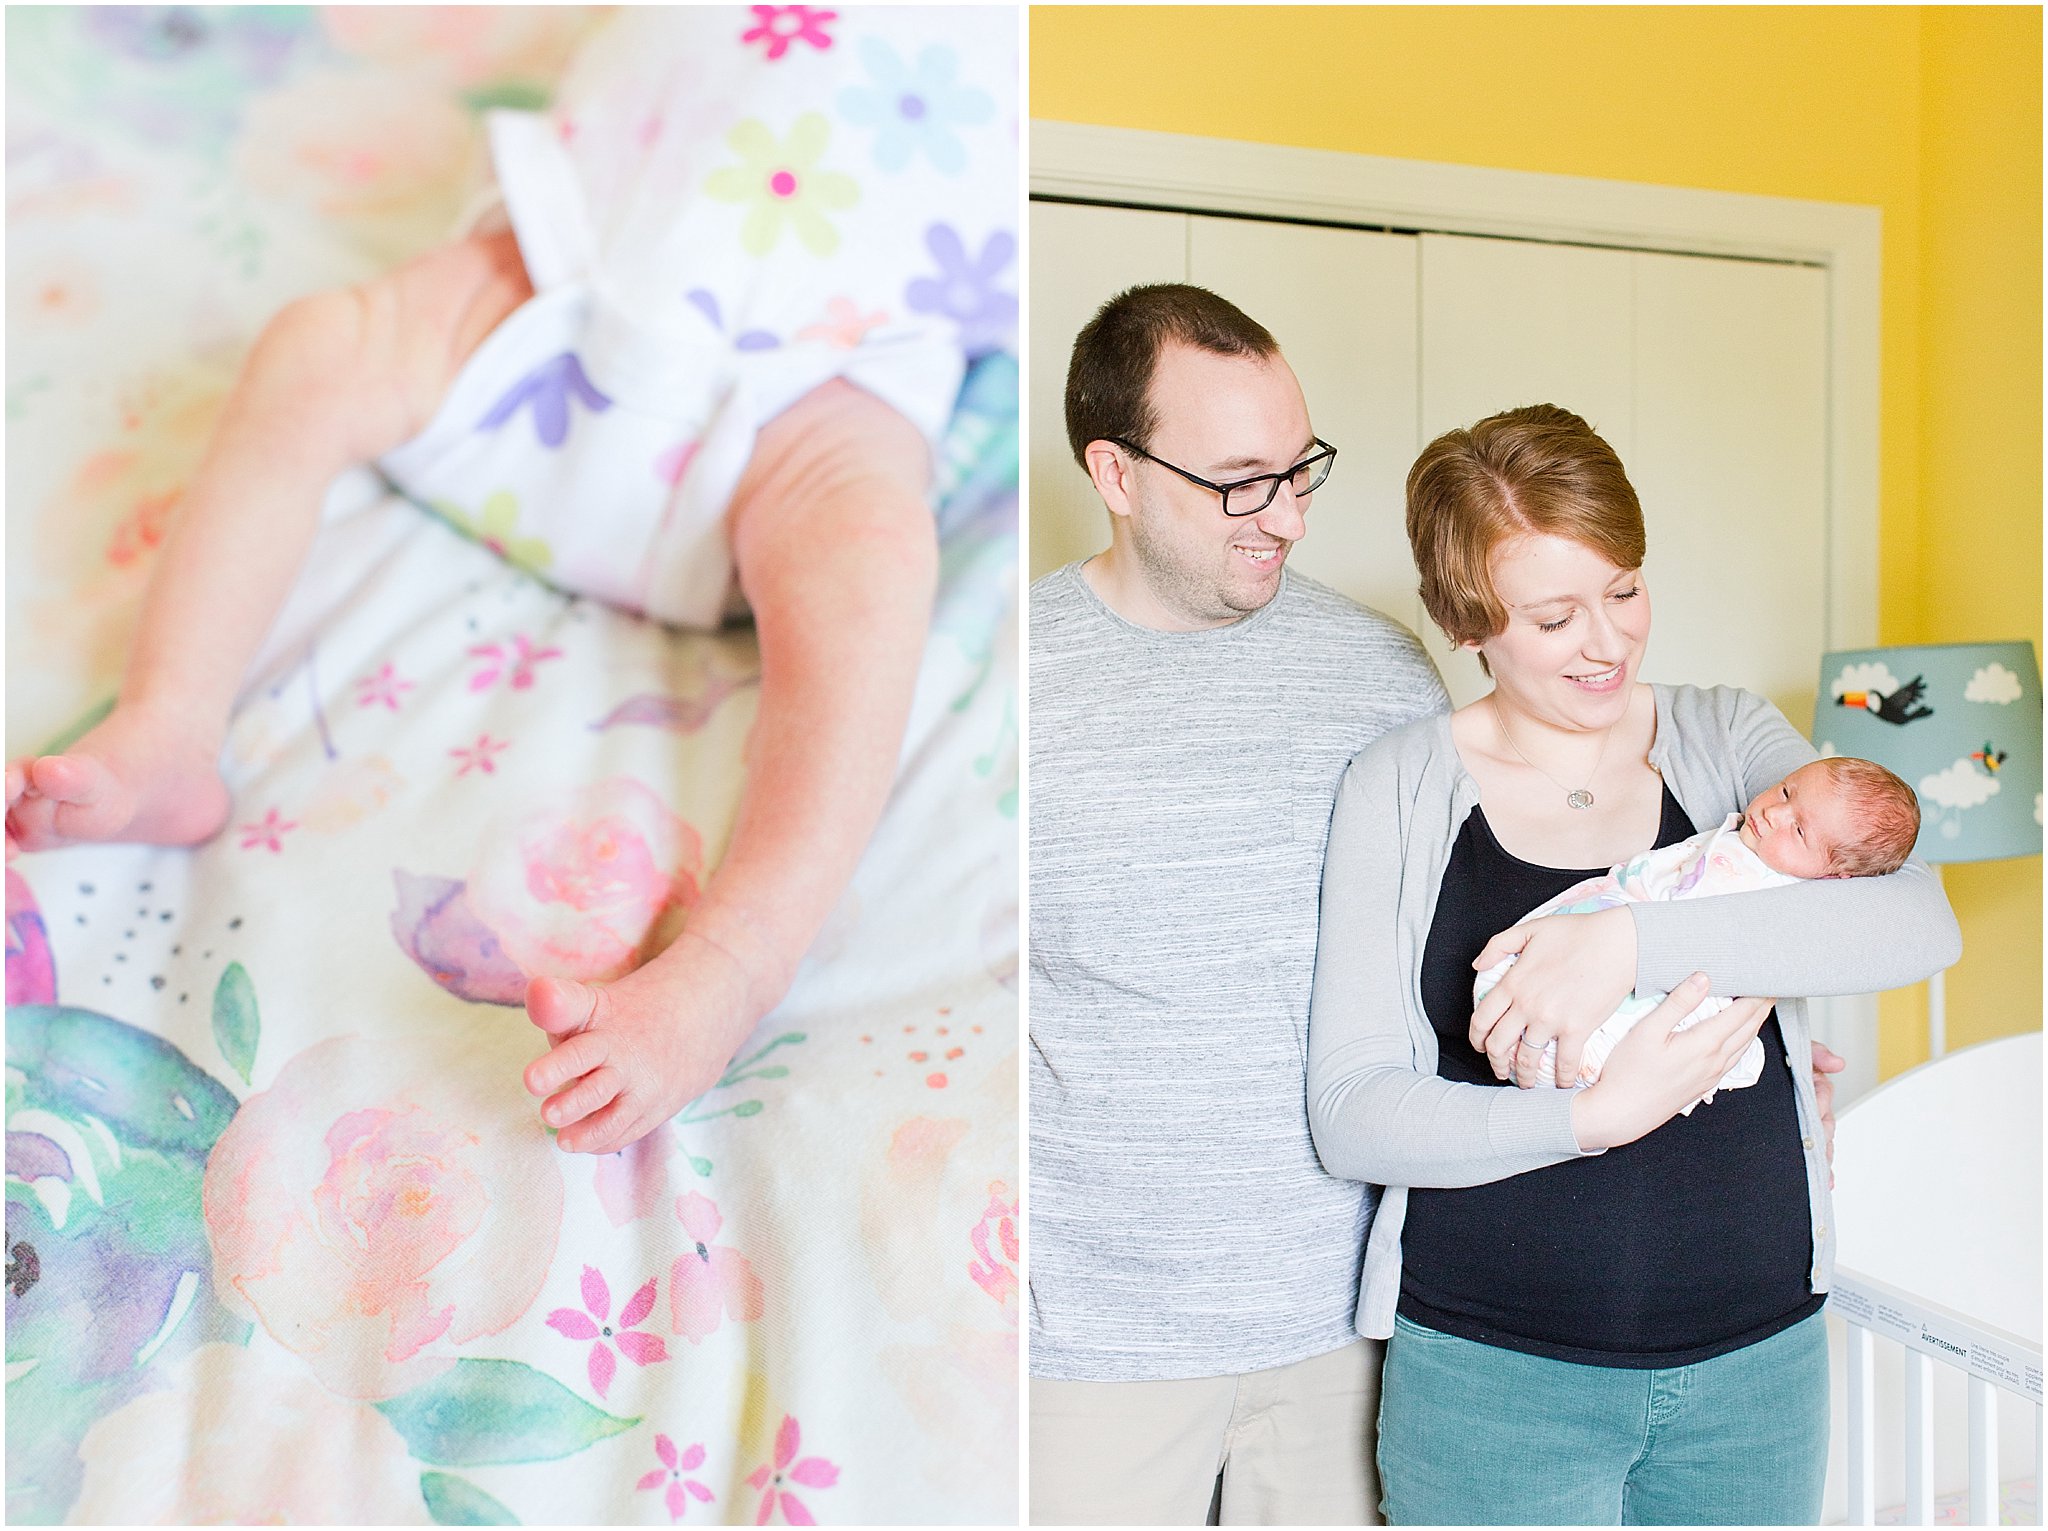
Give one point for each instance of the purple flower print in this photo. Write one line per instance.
(811, 1472)
(386, 686)
(255, 47)
(780, 26)
(706, 304)
(548, 388)
(681, 1490)
(640, 1349)
(518, 661)
(965, 289)
(269, 834)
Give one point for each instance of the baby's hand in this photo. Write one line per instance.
(625, 1056)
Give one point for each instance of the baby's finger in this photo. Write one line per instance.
(576, 1054)
(17, 781)
(593, 1092)
(1506, 944)
(603, 1131)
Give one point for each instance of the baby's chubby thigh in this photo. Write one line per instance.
(838, 463)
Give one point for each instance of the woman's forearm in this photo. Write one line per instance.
(1835, 936)
(1373, 1114)
(1840, 936)
(1394, 1126)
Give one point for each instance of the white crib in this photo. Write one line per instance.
(1938, 1286)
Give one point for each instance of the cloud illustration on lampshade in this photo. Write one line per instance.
(1960, 722)
(1994, 684)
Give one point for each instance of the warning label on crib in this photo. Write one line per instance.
(1937, 1334)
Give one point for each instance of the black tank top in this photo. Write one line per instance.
(1686, 1244)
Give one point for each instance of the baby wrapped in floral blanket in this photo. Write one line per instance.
(1839, 817)
(693, 360)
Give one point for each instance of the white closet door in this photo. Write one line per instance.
(1507, 322)
(1708, 377)
(1341, 302)
(1080, 258)
(1730, 464)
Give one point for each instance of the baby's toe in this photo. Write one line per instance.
(31, 825)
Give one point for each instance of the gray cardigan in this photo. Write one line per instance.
(1377, 1109)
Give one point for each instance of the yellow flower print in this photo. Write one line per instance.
(495, 525)
(780, 184)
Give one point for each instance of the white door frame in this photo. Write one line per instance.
(1215, 175)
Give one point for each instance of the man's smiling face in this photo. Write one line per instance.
(1222, 418)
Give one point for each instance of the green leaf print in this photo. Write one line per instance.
(236, 1024)
(483, 1412)
(458, 1502)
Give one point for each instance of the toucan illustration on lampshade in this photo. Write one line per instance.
(1902, 705)
(1961, 722)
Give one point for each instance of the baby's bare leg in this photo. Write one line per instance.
(838, 556)
(334, 380)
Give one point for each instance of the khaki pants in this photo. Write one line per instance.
(1294, 1445)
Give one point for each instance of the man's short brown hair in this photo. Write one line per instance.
(1538, 469)
(1887, 811)
(1109, 377)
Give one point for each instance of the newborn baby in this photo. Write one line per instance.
(1832, 818)
(705, 339)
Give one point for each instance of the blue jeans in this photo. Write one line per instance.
(1474, 1435)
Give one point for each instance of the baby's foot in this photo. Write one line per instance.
(137, 776)
(625, 1056)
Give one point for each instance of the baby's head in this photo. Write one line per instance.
(1834, 818)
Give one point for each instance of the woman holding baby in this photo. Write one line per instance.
(1603, 1305)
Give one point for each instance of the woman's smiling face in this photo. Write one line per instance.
(1576, 630)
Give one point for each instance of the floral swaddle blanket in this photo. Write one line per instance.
(286, 1240)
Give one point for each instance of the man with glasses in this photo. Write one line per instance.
(1193, 705)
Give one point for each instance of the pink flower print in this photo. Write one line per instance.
(811, 1472)
(517, 660)
(780, 26)
(478, 756)
(671, 465)
(640, 1349)
(994, 1267)
(709, 1284)
(269, 834)
(680, 1489)
(633, 1182)
(844, 324)
(386, 686)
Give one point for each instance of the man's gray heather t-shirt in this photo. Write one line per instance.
(1181, 784)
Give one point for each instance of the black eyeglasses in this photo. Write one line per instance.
(1305, 477)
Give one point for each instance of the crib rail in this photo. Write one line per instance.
(1993, 1359)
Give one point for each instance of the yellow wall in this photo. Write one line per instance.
(1979, 542)
(1932, 114)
